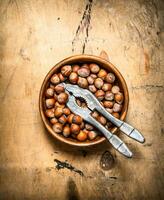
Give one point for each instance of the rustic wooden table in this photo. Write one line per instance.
(34, 36)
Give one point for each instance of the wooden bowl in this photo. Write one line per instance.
(74, 60)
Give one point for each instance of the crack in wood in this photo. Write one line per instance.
(83, 27)
(65, 164)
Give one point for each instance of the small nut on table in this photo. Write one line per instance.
(110, 78)
(90, 80)
(66, 111)
(53, 120)
(62, 98)
(94, 68)
(102, 74)
(117, 107)
(69, 118)
(73, 77)
(109, 96)
(66, 70)
(55, 79)
(106, 87)
(58, 112)
(102, 120)
(92, 88)
(50, 103)
(66, 131)
(59, 88)
(49, 92)
(63, 119)
(50, 113)
(58, 128)
(75, 68)
(98, 83)
(75, 129)
(82, 136)
(119, 97)
(82, 82)
(100, 94)
(92, 135)
(115, 89)
(116, 115)
(77, 119)
(108, 104)
(83, 72)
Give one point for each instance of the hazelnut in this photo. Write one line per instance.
(59, 88)
(94, 76)
(50, 113)
(95, 114)
(75, 68)
(62, 98)
(89, 127)
(98, 83)
(119, 98)
(61, 77)
(94, 68)
(109, 96)
(102, 74)
(73, 77)
(85, 66)
(109, 110)
(66, 70)
(82, 82)
(82, 125)
(92, 88)
(49, 92)
(53, 120)
(86, 131)
(66, 131)
(57, 127)
(117, 107)
(100, 94)
(92, 135)
(83, 104)
(102, 120)
(109, 124)
(52, 86)
(82, 136)
(90, 80)
(108, 104)
(55, 79)
(116, 115)
(106, 87)
(78, 102)
(115, 89)
(66, 111)
(77, 119)
(58, 112)
(83, 72)
(63, 119)
(110, 78)
(75, 129)
(69, 118)
(57, 104)
(50, 103)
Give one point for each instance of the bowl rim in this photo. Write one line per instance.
(65, 62)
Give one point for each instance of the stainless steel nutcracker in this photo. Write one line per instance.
(93, 104)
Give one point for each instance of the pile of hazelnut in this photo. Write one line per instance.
(101, 83)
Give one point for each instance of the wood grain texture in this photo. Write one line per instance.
(35, 35)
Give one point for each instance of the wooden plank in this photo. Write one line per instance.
(34, 36)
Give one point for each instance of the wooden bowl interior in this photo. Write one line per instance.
(80, 59)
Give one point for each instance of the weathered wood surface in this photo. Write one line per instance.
(34, 36)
